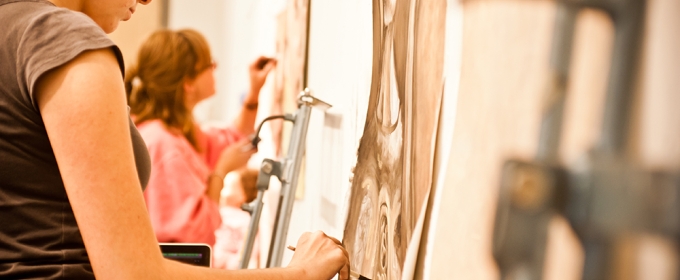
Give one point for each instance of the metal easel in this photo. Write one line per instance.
(287, 171)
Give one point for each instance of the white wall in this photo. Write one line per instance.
(340, 55)
(238, 32)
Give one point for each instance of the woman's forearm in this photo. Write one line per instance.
(245, 121)
(215, 185)
(258, 71)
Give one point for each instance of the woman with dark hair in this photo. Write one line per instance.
(72, 165)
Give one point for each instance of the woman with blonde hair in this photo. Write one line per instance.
(72, 166)
(174, 72)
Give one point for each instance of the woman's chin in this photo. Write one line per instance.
(109, 28)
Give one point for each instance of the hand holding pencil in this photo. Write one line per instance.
(320, 257)
(351, 272)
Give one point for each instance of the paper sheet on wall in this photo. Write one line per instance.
(393, 173)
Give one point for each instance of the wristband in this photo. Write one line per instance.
(251, 106)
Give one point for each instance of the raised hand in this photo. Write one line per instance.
(258, 71)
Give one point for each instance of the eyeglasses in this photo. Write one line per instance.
(212, 66)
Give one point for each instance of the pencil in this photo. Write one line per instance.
(351, 273)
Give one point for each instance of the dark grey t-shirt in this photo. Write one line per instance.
(39, 237)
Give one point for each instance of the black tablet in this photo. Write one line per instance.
(191, 253)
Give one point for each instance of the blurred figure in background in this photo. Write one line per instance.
(174, 72)
(239, 187)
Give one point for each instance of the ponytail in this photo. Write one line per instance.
(130, 76)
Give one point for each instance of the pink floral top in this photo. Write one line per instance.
(175, 196)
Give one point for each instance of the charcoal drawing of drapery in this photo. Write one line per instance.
(393, 172)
